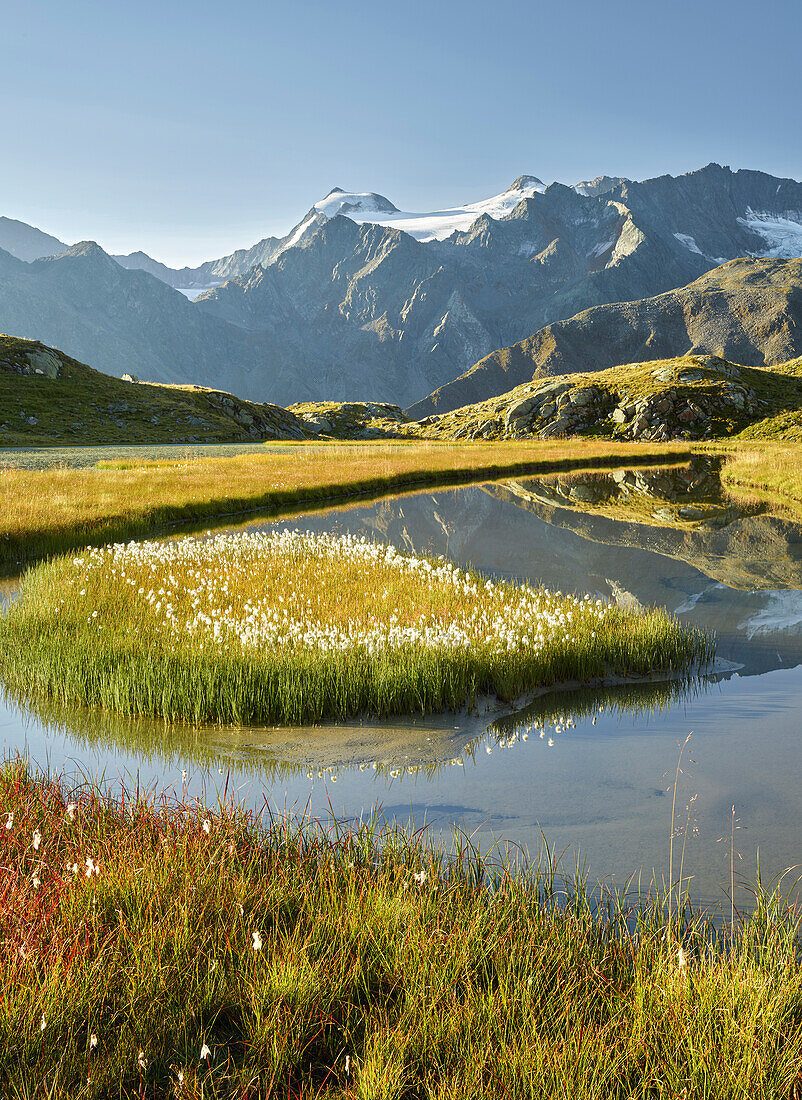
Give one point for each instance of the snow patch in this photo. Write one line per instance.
(600, 249)
(781, 232)
(432, 225)
(299, 232)
(689, 243)
(783, 612)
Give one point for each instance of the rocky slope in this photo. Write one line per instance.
(46, 397)
(689, 397)
(748, 310)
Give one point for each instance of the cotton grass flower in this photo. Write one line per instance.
(70, 811)
(205, 1053)
(257, 941)
(142, 1061)
(9, 821)
(37, 840)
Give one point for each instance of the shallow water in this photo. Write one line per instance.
(600, 789)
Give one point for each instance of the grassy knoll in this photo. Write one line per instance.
(152, 948)
(774, 468)
(47, 398)
(46, 511)
(293, 628)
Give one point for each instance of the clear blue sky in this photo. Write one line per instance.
(188, 129)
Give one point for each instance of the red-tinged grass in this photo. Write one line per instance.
(385, 969)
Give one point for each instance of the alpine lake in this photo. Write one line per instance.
(590, 773)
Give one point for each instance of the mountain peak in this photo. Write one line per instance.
(526, 183)
(357, 204)
(85, 248)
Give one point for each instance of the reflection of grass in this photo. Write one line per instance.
(45, 511)
(288, 628)
(154, 948)
(561, 709)
(681, 497)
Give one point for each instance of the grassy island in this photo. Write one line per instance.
(289, 628)
(152, 948)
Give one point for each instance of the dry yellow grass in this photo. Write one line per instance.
(771, 468)
(42, 511)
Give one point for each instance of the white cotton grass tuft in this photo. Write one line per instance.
(257, 941)
(193, 597)
(205, 1053)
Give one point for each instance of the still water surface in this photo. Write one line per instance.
(589, 771)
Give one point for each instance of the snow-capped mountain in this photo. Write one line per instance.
(364, 300)
(434, 225)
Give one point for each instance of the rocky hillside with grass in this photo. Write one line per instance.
(747, 311)
(48, 398)
(692, 397)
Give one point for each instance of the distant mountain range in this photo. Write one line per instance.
(363, 301)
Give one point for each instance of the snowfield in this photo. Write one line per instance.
(434, 225)
(781, 232)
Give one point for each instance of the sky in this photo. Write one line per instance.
(189, 129)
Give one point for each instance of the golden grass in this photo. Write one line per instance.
(153, 947)
(774, 469)
(43, 511)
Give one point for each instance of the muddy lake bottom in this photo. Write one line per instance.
(598, 790)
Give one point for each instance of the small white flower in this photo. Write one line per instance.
(205, 1052)
(43, 1024)
(92, 1041)
(37, 840)
(75, 868)
(207, 827)
(71, 808)
(420, 877)
(183, 775)
(36, 882)
(142, 1061)
(180, 1077)
(9, 821)
(681, 959)
(257, 941)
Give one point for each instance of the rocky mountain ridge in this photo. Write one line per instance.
(348, 308)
